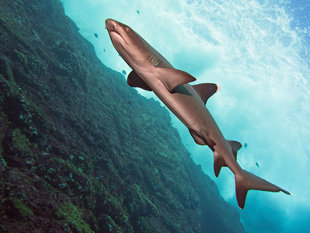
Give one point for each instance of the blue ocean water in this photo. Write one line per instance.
(299, 10)
(258, 52)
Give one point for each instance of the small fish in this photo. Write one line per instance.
(124, 72)
(96, 35)
(257, 165)
(245, 145)
(138, 12)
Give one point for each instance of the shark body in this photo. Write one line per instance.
(152, 72)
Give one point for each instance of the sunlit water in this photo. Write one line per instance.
(258, 52)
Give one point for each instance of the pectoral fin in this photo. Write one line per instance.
(206, 90)
(172, 78)
(134, 80)
(197, 138)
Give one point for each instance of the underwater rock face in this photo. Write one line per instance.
(81, 151)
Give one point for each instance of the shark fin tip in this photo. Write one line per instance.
(286, 192)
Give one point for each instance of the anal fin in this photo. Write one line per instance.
(218, 163)
(218, 159)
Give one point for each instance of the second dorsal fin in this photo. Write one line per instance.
(235, 146)
(134, 80)
(206, 90)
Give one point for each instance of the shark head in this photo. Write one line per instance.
(130, 46)
(119, 33)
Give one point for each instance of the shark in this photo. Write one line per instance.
(152, 72)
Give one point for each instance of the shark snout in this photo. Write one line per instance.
(110, 24)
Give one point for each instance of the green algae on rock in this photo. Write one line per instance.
(21, 208)
(72, 215)
(20, 141)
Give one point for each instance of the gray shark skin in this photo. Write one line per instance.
(152, 72)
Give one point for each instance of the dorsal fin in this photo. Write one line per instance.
(172, 78)
(134, 80)
(206, 90)
(235, 145)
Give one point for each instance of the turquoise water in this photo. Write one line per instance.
(258, 52)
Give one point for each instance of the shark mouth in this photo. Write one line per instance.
(117, 40)
(114, 35)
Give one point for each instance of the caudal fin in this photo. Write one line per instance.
(246, 181)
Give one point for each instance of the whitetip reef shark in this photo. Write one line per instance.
(152, 72)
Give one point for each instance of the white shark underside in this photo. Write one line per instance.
(152, 72)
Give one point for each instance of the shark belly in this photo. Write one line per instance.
(186, 107)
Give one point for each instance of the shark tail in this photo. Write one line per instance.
(246, 181)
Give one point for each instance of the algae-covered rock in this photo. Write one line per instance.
(72, 215)
(20, 142)
(19, 208)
